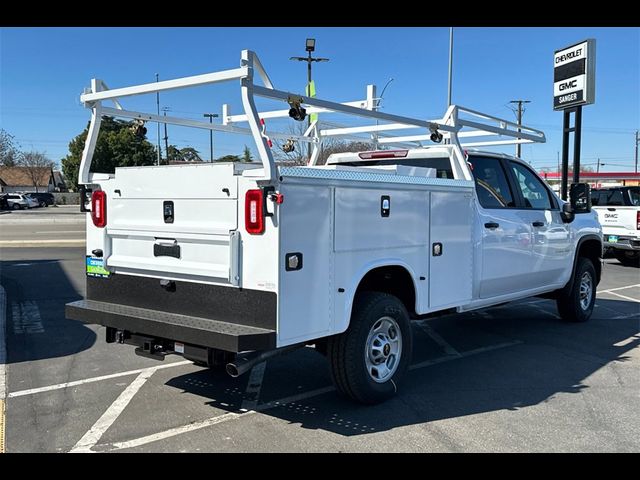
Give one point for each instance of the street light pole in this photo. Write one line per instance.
(211, 117)
(310, 46)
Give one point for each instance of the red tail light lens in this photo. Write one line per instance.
(253, 214)
(99, 208)
(383, 154)
(638, 220)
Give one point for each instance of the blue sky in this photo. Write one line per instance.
(44, 70)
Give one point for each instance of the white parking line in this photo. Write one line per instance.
(623, 296)
(619, 288)
(449, 350)
(112, 413)
(627, 341)
(275, 403)
(172, 432)
(58, 386)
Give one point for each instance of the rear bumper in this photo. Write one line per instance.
(206, 332)
(623, 243)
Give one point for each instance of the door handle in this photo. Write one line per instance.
(611, 209)
(491, 225)
(538, 224)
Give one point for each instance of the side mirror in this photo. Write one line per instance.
(580, 198)
(566, 213)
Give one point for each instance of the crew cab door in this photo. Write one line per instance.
(551, 242)
(506, 250)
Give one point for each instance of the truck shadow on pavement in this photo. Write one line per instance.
(510, 357)
(36, 292)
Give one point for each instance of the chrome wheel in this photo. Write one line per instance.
(586, 290)
(383, 349)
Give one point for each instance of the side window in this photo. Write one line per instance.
(595, 198)
(533, 190)
(615, 198)
(492, 186)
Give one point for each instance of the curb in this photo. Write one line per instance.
(3, 362)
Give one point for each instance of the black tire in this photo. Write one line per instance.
(16, 206)
(43, 204)
(628, 257)
(571, 306)
(348, 351)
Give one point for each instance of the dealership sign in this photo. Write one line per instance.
(574, 75)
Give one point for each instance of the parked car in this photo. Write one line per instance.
(19, 201)
(44, 199)
(619, 214)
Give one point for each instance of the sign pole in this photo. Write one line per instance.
(576, 144)
(565, 153)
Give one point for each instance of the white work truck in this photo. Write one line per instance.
(618, 210)
(229, 264)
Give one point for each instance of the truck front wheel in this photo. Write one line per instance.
(576, 304)
(368, 360)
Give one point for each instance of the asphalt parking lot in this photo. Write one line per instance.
(511, 378)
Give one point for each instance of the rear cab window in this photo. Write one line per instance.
(492, 186)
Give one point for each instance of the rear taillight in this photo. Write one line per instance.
(638, 220)
(99, 208)
(253, 212)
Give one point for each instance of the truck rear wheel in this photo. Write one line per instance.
(368, 361)
(576, 305)
(629, 258)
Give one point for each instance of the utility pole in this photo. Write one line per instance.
(211, 117)
(519, 113)
(166, 137)
(637, 141)
(158, 123)
(310, 47)
(598, 167)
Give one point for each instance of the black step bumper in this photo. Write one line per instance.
(206, 332)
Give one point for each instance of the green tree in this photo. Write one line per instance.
(229, 158)
(246, 155)
(186, 154)
(117, 146)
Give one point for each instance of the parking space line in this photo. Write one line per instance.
(225, 417)
(254, 385)
(468, 353)
(172, 432)
(112, 413)
(448, 349)
(627, 341)
(619, 288)
(623, 296)
(58, 386)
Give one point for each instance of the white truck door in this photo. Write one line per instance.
(506, 238)
(551, 241)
